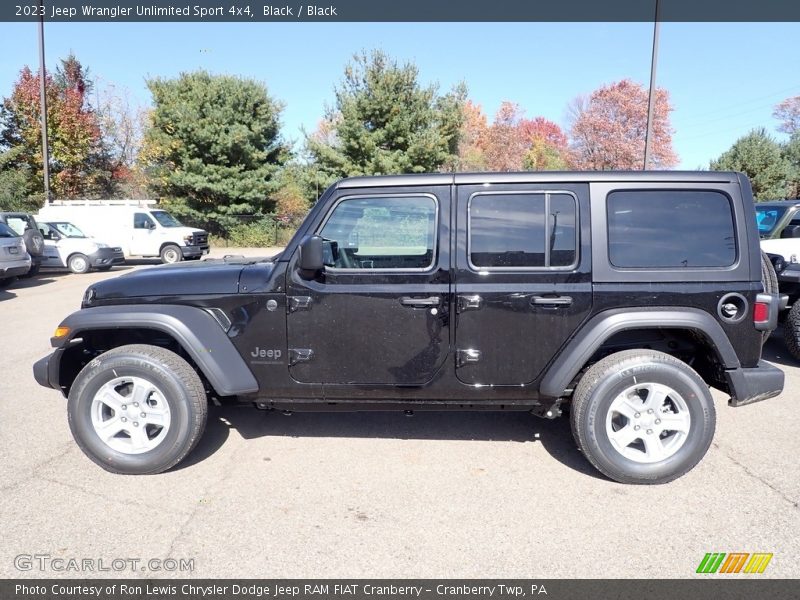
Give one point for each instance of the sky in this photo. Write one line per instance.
(724, 78)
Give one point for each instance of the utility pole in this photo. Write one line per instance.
(43, 100)
(651, 99)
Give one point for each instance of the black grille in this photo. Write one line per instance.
(200, 239)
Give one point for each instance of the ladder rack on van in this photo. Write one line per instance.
(120, 202)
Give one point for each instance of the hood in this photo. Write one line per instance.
(207, 277)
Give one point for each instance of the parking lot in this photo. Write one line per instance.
(379, 495)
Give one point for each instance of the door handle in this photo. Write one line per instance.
(420, 302)
(551, 300)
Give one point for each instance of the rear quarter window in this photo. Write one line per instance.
(670, 229)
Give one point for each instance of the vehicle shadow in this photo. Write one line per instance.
(42, 278)
(554, 435)
(775, 350)
(6, 294)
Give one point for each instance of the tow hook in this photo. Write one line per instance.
(548, 411)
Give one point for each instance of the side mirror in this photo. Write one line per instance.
(311, 260)
(791, 231)
(151, 225)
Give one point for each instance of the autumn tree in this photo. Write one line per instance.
(122, 127)
(471, 151)
(505, 144)
(760, 157)
(78, 160)
(788, 113)
(511, 142)
(608, 128)
(212, 148)
(547, 146)
(385, 121)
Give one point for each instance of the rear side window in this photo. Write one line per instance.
(530, 230)
(6, 231)
(670, 229)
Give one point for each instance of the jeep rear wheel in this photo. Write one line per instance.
(769, 280)
(137, 409)
(641, 416)
(791, 330)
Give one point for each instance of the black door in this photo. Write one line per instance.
(379, 313)
(523, 281)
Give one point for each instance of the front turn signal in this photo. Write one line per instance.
(61, 331)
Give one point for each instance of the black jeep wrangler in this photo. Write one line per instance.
(619, 296)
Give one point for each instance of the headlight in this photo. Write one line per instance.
(188, 239)
(88, 297)
(101, 245)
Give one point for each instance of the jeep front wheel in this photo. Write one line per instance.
(137, 409)
(641, 416)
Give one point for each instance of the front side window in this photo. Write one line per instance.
(397, 232)
(530, 230)
(670, 229)
(142, 221)
(68, 229)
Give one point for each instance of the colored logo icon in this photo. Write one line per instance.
(734, 562)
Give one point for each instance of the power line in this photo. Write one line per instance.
(700, 116)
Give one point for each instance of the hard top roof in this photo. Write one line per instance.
(538, 177)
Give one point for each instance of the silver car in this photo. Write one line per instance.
(14, 259)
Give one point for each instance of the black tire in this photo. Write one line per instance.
(609, 378)
(770, 281)
(171, 254)
(34, 242)
(791, 330)
(34, 270)
(79, 263)
(182, 390)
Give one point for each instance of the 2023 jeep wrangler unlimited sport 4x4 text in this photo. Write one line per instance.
(620, 296)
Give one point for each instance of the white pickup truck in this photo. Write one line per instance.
(136, 226)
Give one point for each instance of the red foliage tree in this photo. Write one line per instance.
(608, 130)
(788, 113)
(76, 152)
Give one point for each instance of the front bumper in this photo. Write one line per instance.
(193, 251)
(45, 370)
(754, 384)
(105, 257)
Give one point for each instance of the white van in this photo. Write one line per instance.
(67, 246)
(136, 226)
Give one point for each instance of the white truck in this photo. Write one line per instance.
(137, 226)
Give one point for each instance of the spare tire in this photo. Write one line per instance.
(34, 242)
(770, 281)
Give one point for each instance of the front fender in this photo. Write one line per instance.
(198, 333)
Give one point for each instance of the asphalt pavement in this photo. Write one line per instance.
(374, 494)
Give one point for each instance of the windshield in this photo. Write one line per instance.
(6, 231)
(68, 230)
(768, 218)
(166, 219)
